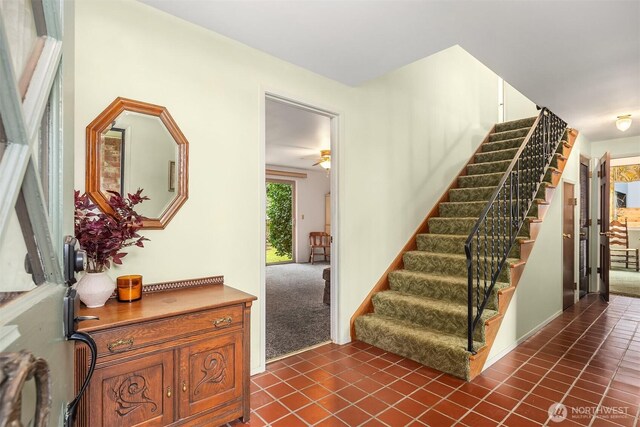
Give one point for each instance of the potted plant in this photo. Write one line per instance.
(103, 237)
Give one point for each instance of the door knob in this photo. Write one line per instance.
(566, 235)
(608, 234)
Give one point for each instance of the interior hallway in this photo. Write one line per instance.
(588, 358)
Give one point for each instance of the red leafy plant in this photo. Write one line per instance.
(103, 236)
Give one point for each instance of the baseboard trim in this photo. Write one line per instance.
(258, 369)
(520, 340)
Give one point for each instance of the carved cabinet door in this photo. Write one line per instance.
(135, 393)
(210, 373)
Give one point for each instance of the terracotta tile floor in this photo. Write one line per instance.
(588, 359)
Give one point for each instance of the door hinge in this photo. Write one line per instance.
(589, 222)
(588, 271)
(590, 174)
(598, 270)
(599, 222)
(573, 201)
(599, 174)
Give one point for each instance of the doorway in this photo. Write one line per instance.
(280, 213)
(299, 298)
(568, 245)
(624, 226)
(584, 268)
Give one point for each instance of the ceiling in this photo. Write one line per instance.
(579, 58)
(294, 137)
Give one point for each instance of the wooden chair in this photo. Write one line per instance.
(319, 240)
(619, 246)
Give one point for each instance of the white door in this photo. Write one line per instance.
(36, 194)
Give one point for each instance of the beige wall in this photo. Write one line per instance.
(402, 139)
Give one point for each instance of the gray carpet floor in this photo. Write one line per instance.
(624, 282)
(296, 316)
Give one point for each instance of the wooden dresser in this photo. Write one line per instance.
(178, 358)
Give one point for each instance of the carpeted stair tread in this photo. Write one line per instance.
(453, 244)
(449, 317)
(515, 124)
(447, 264)
(494, 178)
(488, 167)
(502, 145)
(463, 226)
(509, 134)
(494, 156)
(471, 194)
(473, 209)
(444, 352)
(481, 180)
(449, 288)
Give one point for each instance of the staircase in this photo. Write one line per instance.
(425, 305)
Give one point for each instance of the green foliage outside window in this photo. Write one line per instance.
(279, 218)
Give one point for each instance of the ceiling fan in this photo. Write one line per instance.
(325, 159)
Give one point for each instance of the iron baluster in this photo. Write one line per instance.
(525, 174)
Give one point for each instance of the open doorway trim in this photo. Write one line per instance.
(334, 116)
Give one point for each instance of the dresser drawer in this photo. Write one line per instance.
(132, 337)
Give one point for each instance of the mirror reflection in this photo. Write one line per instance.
(137, 151)
(135, 145)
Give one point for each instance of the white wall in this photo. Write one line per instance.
(402, 139)
(310, 192)
(516, 105)
(619, 147)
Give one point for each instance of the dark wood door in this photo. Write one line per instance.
(568, 245)
(210, 373)
(584, 267)
(605, 196)
(135, 393)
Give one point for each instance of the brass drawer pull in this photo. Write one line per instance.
(223, 321)
(169, 391)
(184, 386)
(114, 345)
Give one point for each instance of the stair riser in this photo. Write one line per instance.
(501, 136)
(438, 244)
(428, 263)
(441, 358)
(515, 124)
(495, 156)
(502, 145)
(446, 322)
(437, 290)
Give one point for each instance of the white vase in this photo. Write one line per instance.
(94, 289)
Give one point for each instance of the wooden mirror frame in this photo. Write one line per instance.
(92, 176)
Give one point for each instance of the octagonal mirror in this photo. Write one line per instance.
(132, 145)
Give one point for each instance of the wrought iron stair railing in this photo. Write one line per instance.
(499, 224)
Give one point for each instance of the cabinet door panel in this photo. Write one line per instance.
(210, 373)
(134, 393)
